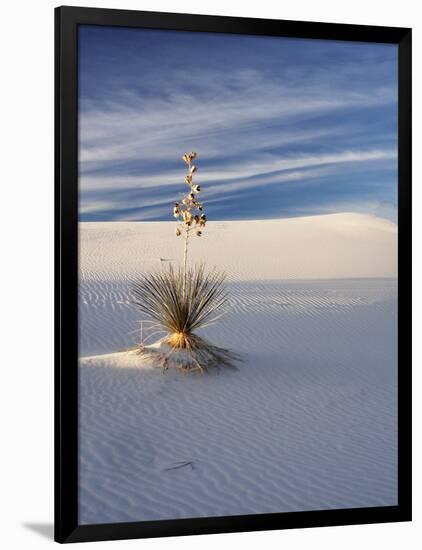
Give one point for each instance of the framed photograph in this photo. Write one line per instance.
(233, 274)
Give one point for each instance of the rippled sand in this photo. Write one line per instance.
(308, 421)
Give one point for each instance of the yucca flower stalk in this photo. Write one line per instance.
(190, 211)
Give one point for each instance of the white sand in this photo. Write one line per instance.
(308, 421)
(332, 246)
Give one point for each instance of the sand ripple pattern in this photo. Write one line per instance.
(308, 421)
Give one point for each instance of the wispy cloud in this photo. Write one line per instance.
(254, 126)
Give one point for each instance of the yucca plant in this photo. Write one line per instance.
(183, 300)
(179, 311)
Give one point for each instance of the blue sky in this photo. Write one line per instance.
(282, 127)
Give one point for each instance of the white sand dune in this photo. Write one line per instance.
(331, 246)
(307, 421)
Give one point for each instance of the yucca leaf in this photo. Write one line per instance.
(160, 296)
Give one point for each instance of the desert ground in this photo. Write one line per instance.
(307, 421)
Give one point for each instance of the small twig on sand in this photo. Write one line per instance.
(182, 464)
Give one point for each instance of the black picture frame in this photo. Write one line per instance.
(67, 20)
